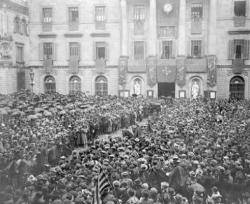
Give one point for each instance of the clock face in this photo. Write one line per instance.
(168, 8)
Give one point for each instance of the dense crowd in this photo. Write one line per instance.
(189, 152)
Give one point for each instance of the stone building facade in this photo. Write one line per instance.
(178, 48)
(14, 45)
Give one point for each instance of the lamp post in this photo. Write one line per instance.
(32, 80)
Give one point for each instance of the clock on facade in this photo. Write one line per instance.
(168, 8)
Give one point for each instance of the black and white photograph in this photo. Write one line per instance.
(124, 101)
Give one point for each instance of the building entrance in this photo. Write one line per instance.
(166, 89)
(237, 88)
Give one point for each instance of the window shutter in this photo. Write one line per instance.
(54, 51)
(106, 51)
(94, 50)
(231, 49)
(173, 49)
(246, 49)
(41, 58)
(160, 49)
(80, 50)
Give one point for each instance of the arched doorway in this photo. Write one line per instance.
(74, 84)
(237, 88)
(49, 84)
(101, 86)
(137, 86)
(196, 87)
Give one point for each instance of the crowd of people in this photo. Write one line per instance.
(192, 151)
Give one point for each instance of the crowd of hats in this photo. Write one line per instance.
(37, 129)
(190, 152)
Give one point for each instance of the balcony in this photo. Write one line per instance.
(196, 65)
(237, 65)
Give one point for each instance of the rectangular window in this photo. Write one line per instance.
(73, 18)
(167, 31)
(19, 54)
(74, 49)
(167, 47)
(139, 50)
(100, 17)
(139, 13)
(47, 19)
(101, 50)
(240, 8)
(48, 51)
(238, 49)
(196, 48)
(196, 12)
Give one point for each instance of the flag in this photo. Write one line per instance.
(151, 71)
(101, 185)
(166, 74)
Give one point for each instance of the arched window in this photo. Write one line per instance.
(74, 84)
(237, 88)
(49, 84)
(101, 86)
(16, 24)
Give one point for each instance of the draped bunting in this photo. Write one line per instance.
(151, 71)
(73, 64)
(211, 70)
(166, 74)
(181, 72)
(123, 66)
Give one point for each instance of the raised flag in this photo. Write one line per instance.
(102, 184)
(181, 72)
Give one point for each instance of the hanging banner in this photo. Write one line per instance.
(211, 71)
(238, 65)
(181, 72)
(166, 73)
(151, 71)
(123, 67)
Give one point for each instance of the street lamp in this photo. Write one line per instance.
(32, 80)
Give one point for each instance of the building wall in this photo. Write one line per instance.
(9, 10)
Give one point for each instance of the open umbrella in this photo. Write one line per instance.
(63, 112)
(32, 117)
(197, 187)
(39, 110)
(47, 113)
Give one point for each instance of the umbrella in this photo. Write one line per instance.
(32, 117)
(63, 112)
(38, 110)
(47, 113)
(3, 111)
(197, 187)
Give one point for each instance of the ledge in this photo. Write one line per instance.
(51, 35)
(73, 35)
(239, 32)
(105, 35)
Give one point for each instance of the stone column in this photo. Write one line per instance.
(124, 30)
(212, 27)
(153, 29)
(182, 29)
